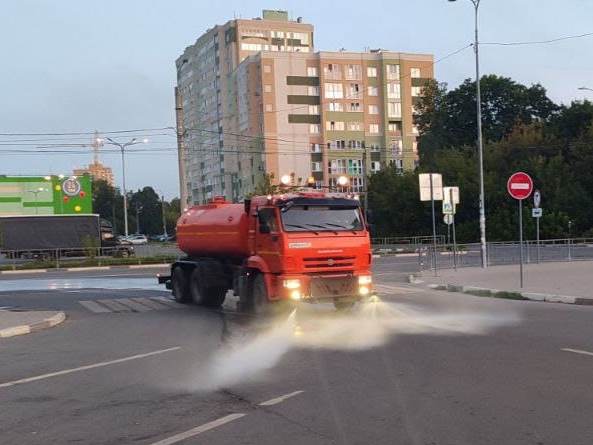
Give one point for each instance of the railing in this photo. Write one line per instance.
(99, 256)
(501, 253)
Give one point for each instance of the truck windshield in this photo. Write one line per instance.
(321, 218)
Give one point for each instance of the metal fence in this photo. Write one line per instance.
(65, 257)
(394, 244)
(500, 253)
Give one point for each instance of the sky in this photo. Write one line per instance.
(80, 65)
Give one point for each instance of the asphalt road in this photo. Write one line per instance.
(416, 368)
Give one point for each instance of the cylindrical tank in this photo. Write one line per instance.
(219, 229)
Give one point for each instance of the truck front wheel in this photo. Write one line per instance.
(259, 304)
(180, 286)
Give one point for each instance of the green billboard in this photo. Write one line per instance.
(45, 195)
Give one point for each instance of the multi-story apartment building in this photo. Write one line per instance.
(277, 107)
(207, 103)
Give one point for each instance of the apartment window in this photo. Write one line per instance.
(337, 166)
(314, 128)
(313, 91)
(354, 106)
(373, 109)
(355, 144)
(355, 166)
(371, 71)
(374, 146)
(415, 73)
(278, 34)
(269, 108)
(393, 91)
(334, 91)
(357, 184)
(354, 90)
(315, 148)
(397, 147)
(392, 72)
(353, 72)
(318, 184)
(374, 128)
(267, 68)
(415, 147)
(336, 145)
(312, 71)
(393, 128)
(373, 91)
(267, 88)
(332, 71)
(394, 109)
(316, 166)
(354, 126)
(399, 164)
(335, 106)
(313, 109)
(415, 131)
(416, 91)
(375, 166)
(334, 126)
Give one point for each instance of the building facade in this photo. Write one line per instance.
(45, 195)
(97, 171)
(207, 103)
(286, 110)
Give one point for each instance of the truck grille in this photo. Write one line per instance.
(339, 286)
(329, 263)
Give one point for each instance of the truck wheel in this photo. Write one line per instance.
(343, 305)
(180, 286)
(195, 288)
(259, 304)
(214, 296)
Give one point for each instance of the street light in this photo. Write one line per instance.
(122, 147)
(36, 193)
(482, 203)
(585, 89)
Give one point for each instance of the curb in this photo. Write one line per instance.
(28, 328)
(512, 295)
(82, 269)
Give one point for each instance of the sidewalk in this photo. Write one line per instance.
(568, 282)
(24, 322)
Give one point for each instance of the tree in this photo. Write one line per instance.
(148, 203)
(265, 186)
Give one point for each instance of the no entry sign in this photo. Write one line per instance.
(520, 185)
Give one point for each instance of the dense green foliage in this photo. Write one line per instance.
(108, 202)
(523, 130)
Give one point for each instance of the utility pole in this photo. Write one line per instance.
(482, 203)
(138, 209)
(122, 147)
(181, 151)
(164, 218)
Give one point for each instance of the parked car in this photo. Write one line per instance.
(137, 239)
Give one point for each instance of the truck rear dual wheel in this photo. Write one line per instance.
(205, 296)
(180, 285)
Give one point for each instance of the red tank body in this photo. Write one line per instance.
(219, 229)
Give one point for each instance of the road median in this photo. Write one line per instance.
(13, 323)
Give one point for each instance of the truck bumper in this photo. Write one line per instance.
(317, 288)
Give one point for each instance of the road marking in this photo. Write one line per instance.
(578, 351)
(280, 399)
(76, 269)
(168, 302)
(115, 306)
(93, 306)
(136, 307)
(199, 429)
(23, 271)
(151, 303)
(148, 266)
(85, 367)
(387, 287)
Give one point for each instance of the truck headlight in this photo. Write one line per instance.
(364, 280)
(363, 290)
(292, 284)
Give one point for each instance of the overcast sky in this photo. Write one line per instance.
(81, 65)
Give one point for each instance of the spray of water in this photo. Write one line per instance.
(368, 326)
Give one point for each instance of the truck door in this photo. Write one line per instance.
(267, 237)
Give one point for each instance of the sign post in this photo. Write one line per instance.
(537, 214)
(451, 197)
(520, 186)
(431, 189)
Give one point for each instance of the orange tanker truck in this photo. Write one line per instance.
(301, 246)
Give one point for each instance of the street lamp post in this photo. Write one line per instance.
(586, 89)
(36, 193)
(122, 147)
(482, 202)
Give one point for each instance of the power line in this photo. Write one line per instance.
(538, 42)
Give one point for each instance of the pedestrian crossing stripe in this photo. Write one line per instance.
(129, 305)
